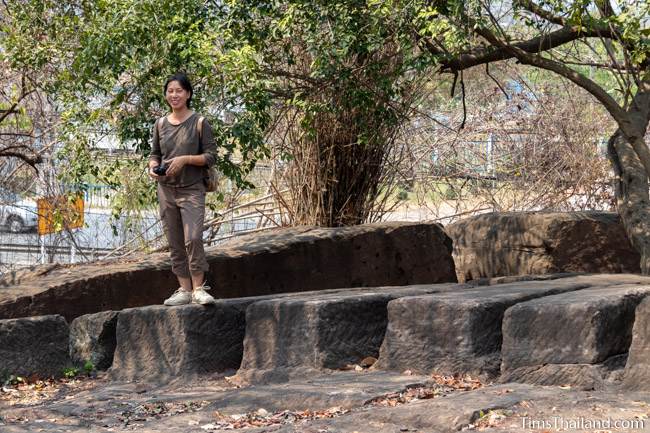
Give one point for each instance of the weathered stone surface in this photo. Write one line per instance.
(511, 408)
(345, 389)
(583, 327)
(518, 278)
(456, 332)
(190, 407)
(637, 369)
(34, 345)
(315, 258)
(582, 376)
(453, 413)
(295, 332)
(281, 260)
(499, 244)
(320, 331)
(91, 288)
(92, 338)
(158, 343)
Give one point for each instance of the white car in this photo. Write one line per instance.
(19, 217)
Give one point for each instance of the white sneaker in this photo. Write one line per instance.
(200, 296)
(179, 297)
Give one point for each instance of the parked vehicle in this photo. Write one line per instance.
(19, 217)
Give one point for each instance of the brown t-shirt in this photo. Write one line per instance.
(183, 139)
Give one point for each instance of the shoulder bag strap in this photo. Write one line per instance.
(158, 130)
(158, 123)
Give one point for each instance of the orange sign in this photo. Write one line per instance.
(58, 213)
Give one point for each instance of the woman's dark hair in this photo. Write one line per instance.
(184, 82)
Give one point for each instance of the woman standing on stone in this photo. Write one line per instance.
(183, 148)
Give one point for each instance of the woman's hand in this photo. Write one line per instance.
(175, 165)
(151, 172)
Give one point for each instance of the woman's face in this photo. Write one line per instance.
(176, 96)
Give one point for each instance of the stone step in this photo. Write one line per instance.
(454, 332)
(449, 328)
(318, 391)
(92, 338)
(158, 343)
(637, 368)
(34, 345)
(321, 331)
(573, 338)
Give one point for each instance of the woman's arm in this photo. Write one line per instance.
(209, 145)
(156, 155)
(194, 159)
(176, 164)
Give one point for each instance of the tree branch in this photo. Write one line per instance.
(12, 109)
(551, 65)
(29, 160)
(487, 71)
(540, 12)
(482, 55)
(602, 66)
(625, 122)
(605, 7)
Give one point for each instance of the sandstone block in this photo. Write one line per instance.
(456, 332)
(34, 345)
(587, 327)
(521, 243)
(294, 259)
(320, 331)
(637, 369)
(158, 343)
(92, 338)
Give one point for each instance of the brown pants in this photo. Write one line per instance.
(182, 210)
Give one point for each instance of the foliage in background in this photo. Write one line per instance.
(330, 86)
(569, 39)
(107, 64)
(344, 75)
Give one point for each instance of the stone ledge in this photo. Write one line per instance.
(588, 327)
(92, 338)
(637, 368)
(284, 260)
(518, 243)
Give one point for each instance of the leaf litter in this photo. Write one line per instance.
(140, 412)
(262, 418)
(32, 390)
(441, 385)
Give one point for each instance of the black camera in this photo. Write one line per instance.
(160, 170)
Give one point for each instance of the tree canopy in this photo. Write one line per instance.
(336, 78)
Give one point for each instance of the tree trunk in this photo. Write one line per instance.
(631, 181)
(334, 178)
